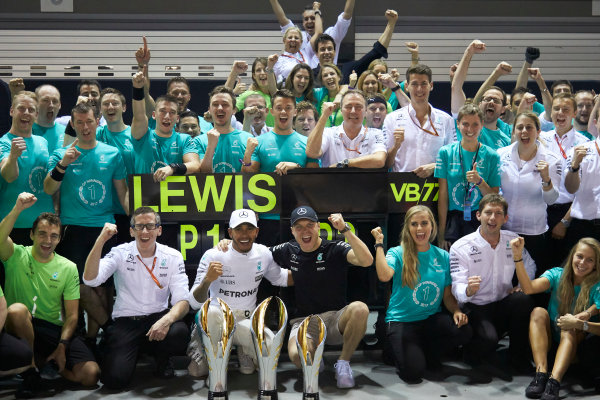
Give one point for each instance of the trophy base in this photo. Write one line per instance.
(310, 396)
(267, 395)
(218, 395)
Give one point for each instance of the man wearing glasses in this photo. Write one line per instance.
(349, 144)
(146, 274)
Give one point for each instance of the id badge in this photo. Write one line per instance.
(467, 211)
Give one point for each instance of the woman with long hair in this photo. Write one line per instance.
(369, 83)
(418, 330)
(301, 82)
(575, 289)
(331, 91)
(530, 180)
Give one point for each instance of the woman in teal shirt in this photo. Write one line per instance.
(418, 330)
(574, 289)
(331, 91)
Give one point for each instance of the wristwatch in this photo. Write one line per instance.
(346, 228)
(343, 164)
(565, 222)
(546, 184)
(585, 326)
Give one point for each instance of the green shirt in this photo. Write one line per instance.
(230, 149)
(239, 104)
(41, 287)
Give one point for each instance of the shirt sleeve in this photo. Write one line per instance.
(339, 30)
(450, 129)
(71, 291)
(189, 145)
(178, 284)
(394, 259)
(459, 272)
(200, 146)
(495, 171)
(4, 149)
(120, 172)
(54, 159)
(379, 142)
(441, 164)
(108, 265)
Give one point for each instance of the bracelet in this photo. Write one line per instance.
(480, 181)
(346, 228)
(317, 12)
(519, 260)
(178, 168)
(244, 164)
(57, 174)
(378, 245)
(565, 222)
(575, 169)
(138, 93)
(350, 87)
(60, 166)
(65, 342)
(396, 88)
(544, 90)
(267, 69)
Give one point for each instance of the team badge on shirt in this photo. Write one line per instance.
(55, 275)
(259, 266)
(320, 257)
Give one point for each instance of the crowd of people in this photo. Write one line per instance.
(501, 160)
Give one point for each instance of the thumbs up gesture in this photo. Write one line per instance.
(473, 175)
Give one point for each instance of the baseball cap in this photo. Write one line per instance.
(303, 212)
(241, 216)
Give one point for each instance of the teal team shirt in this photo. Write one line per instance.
(86, 193)
(321, 96)
(54, 135)
(448, 166)
(274, 148)
(153, 152)
(123, 142)
(33, 164)
(409, 305)
(554, 275)
(495, 139)
(230, 149)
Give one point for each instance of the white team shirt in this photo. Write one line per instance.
(569, 140)
(473, 255)
(522, 189)
(286, 62)
(242, 273)
(337, 32)
(336, 146)
(586, 203)
(419, 147)
(137, 293)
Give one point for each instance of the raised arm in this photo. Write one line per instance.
(318, 24)
(531, 54)
(139, 123)
(279, 13)
(24, 200)
(391, 154)
(237, 68)
(384, 271)
(359, 254)
(15, 86)
(348, 9)
(501, 69)
(248, 164)
(458, 95)
(271, 78)
(528, 286)
(92, 263)
(54, 178)
(572, 180)
(315, 138)
(594, 117)
(535, 74)
(10, 165)
(386, 36)
(142, 56)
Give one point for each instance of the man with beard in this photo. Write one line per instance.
(349, 144)
(222, 148)
(306, 118)
(234, 276)
(255, 114)
(281, 149)
(376, 111)
(162, 152)
(309, 19)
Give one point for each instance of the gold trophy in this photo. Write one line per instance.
(216, 330)
(268, 346)
(310, 364)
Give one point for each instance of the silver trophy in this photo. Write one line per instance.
(268, 347)
(310, 364)
(216, 331)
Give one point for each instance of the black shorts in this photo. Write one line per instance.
(46, 339)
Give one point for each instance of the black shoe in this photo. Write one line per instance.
(50, 371)
(537, 386)
(552, 389)
(165, 369)
(30, 385)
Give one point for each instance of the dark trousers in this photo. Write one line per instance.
(491, 321)
(415, 345)
(581, 228)
(536, 247)
(557, 249)
(14, 352)
(126, 336)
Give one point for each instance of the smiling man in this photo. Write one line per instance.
(43, 300)
(319, 270)
(234, 276)
(349, 144)
(147, 274)
(482, 268)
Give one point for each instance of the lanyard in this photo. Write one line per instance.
(434, 133)
(597, 148)
(333, 116)
(562, 151)
(469, 184)
(150, 271)
(299, 61)
(355, 149)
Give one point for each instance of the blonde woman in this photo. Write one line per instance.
(575, 289)
(418, 330)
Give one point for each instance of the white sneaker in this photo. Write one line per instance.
(247, 366)
(343, 374)
(198, 370)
